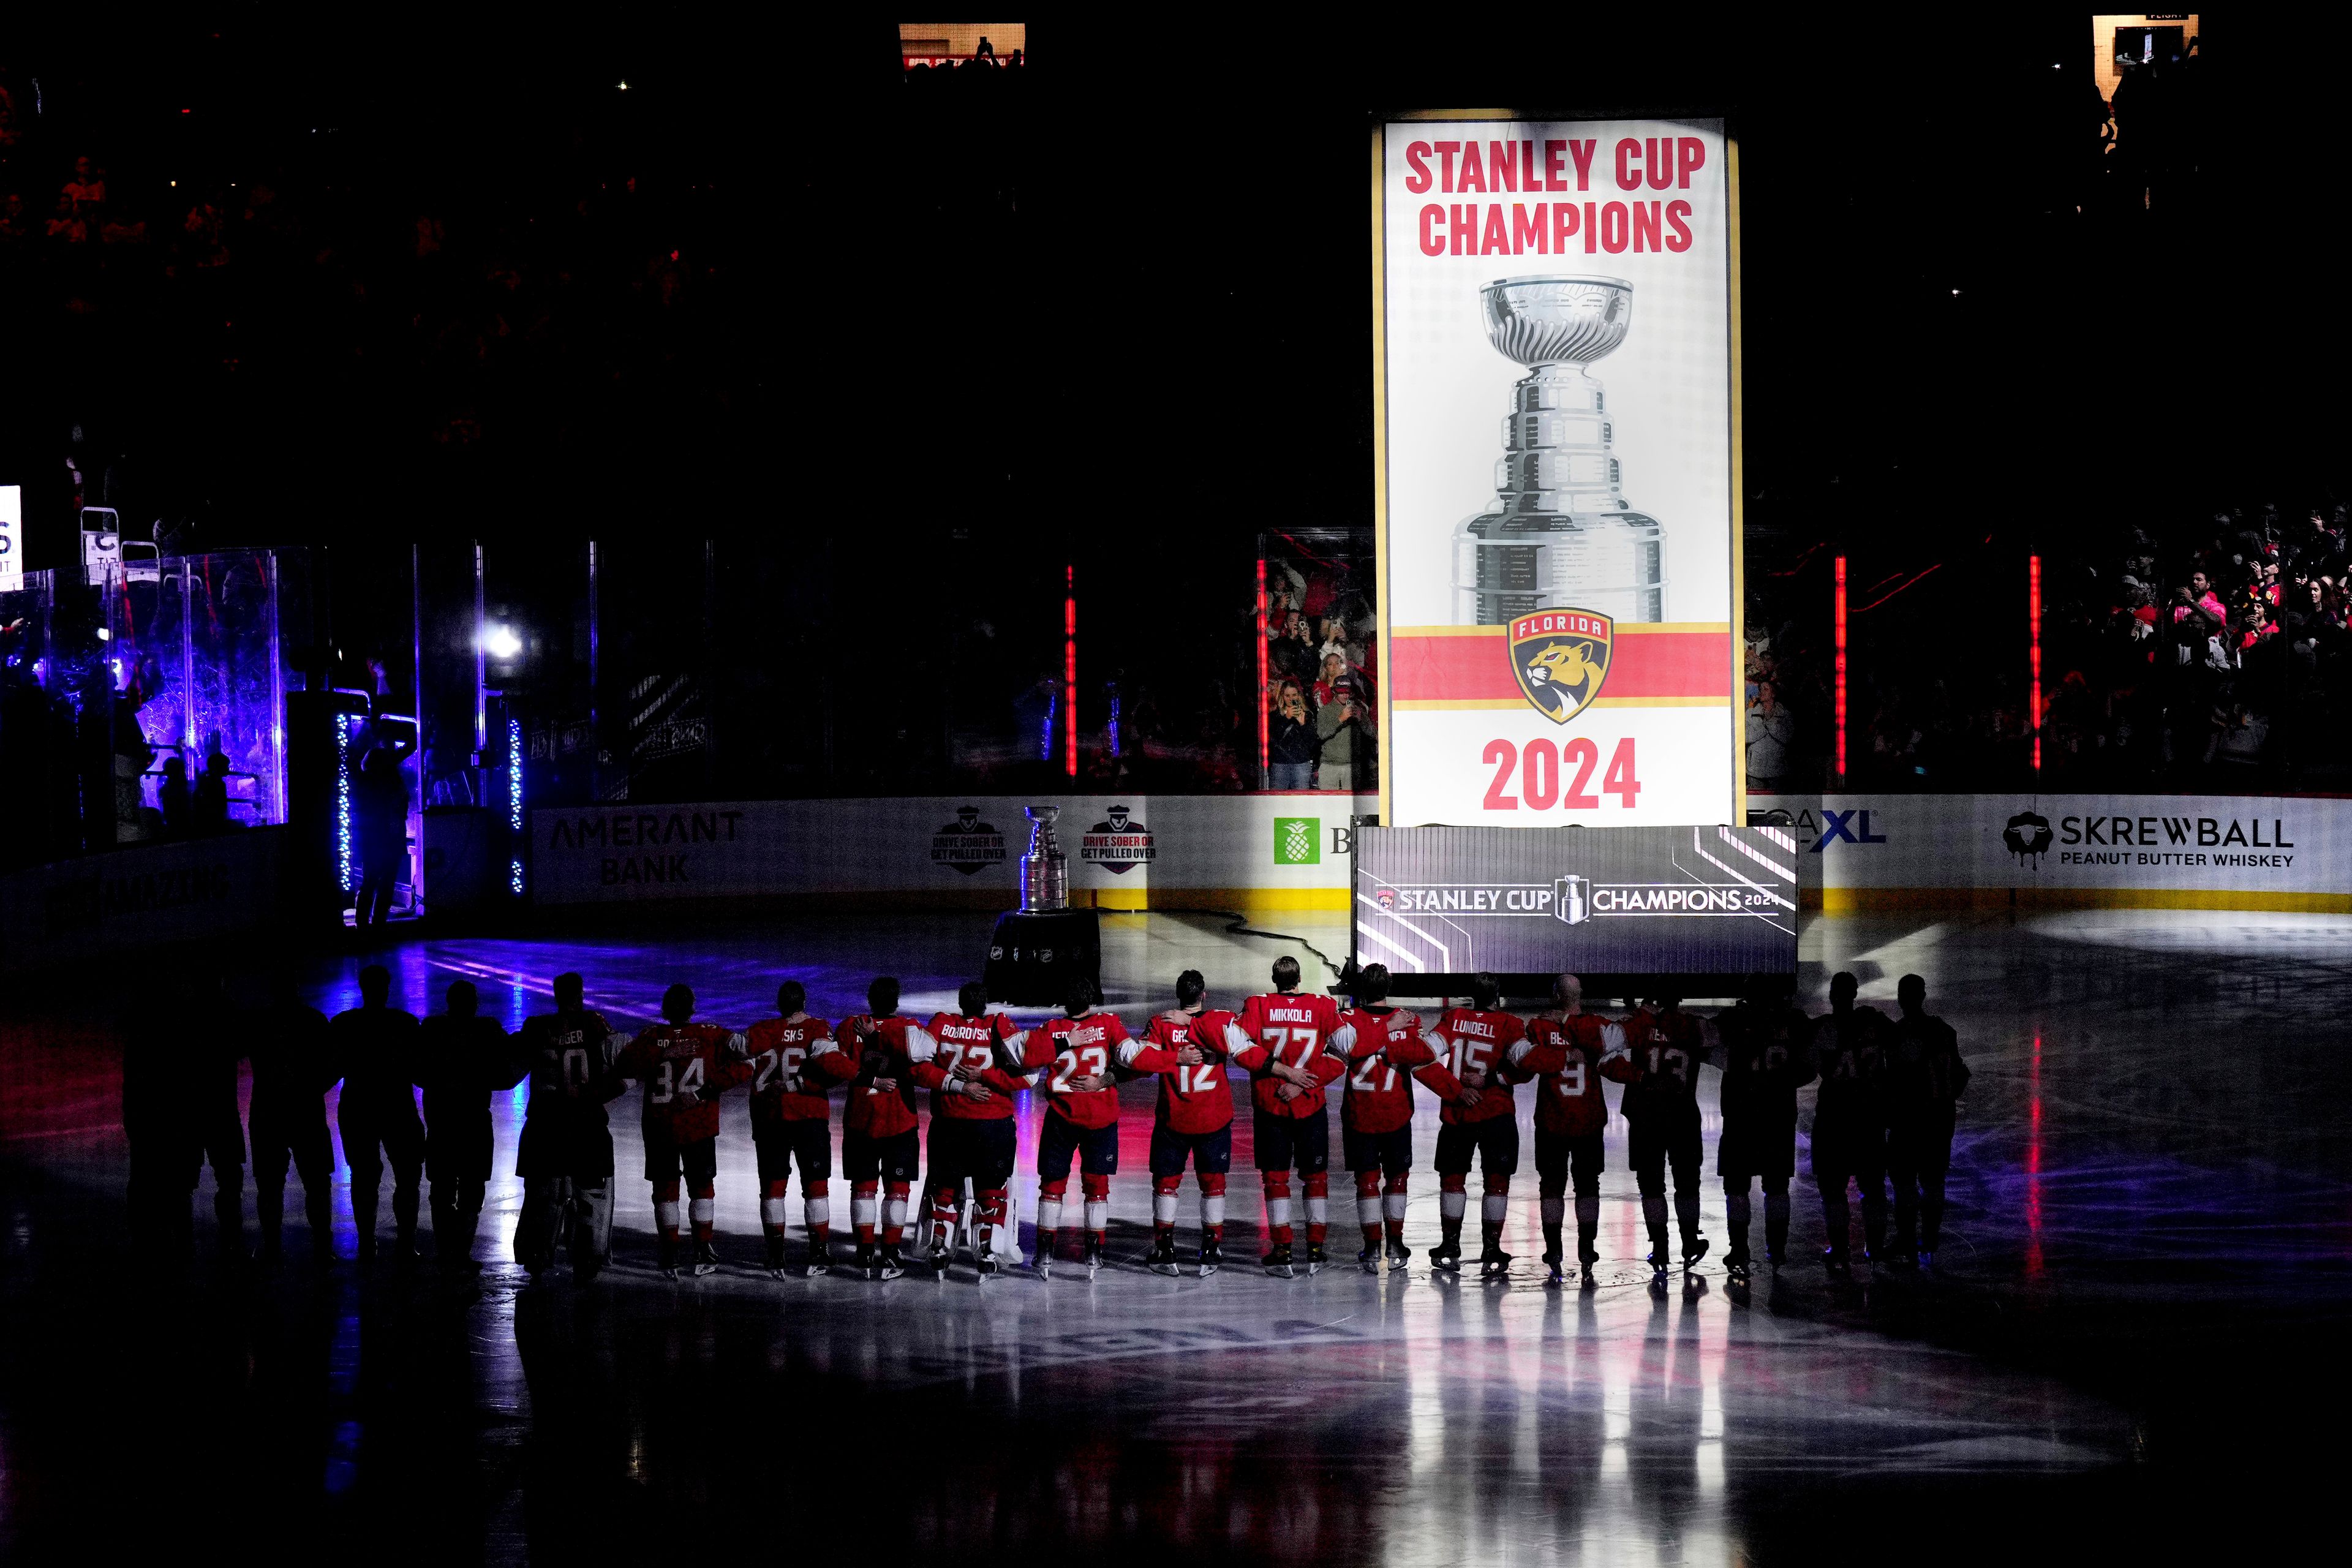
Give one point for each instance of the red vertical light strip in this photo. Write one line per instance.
(1262, 758)
(1841, 668)
(2033, 1262)
(1070, 670)
(2033, 615)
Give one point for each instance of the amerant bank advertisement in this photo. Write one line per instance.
(1557, 523)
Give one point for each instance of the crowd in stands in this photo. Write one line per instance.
(1320, 667)
(2217, 656)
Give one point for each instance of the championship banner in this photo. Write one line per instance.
(1709, 901)
(1556, 445)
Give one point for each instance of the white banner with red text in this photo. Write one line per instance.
(1557, 520)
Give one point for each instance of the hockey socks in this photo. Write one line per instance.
(666, 1213)
(1097, 1207)
(893, 1214)
(816, 1206)
(1736, 1214)
(1213, 1204)
(1452, 1201)
(1367, 1207)
(1776, 1220)
(1163, 1207)
(1392, 1207)
(1493, 1210)
(1654, 1214)
(703, 1212)
(1318, 1186)
(1278, 1207)
(1686, 1216)
(864, 1209)
(1553, 1206)
(1049, 1214)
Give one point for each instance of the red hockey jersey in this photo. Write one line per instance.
(1568, 1057)
(1389, 1053)
(1291, 1027)
(685, 1068)
(1071, 1049)
(903, 1044)
(1193, 1100)
(970, 1043)
(1467, 1041)
(785, 1088)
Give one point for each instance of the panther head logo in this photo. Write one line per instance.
(1561, 658)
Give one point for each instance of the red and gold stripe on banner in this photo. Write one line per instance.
(1665, 664)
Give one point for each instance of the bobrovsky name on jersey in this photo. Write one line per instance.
(1573, 900)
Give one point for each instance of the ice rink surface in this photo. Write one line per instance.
(2137, 1314)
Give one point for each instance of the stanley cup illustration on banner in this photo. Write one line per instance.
(1558, 534)
(1557, 653)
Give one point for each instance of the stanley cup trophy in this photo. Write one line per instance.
(1041, 951)
(1557, 535)
(1045, 870)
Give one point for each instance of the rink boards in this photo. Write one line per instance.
(2168, 851)
(1294, 851)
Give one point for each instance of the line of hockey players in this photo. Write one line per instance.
(1885, 1109)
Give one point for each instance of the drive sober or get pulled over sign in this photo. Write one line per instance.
(1709, 900)
(1556, 444)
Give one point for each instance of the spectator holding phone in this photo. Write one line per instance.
(1291, 743)
(1342, 718)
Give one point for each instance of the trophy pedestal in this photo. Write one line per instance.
(1035, 954)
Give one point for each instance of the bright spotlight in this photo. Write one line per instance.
(500, 642)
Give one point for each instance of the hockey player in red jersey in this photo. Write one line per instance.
(1281, 1037)
(1665, 1047)
(1194, 1119)
(880, 1152)
(1079, 1052)
(1570, 1052)
(1481, 1046)
(685, 1068)
(1376, 1112)
(972, 1123)
(566, 1157)
(792, 1122)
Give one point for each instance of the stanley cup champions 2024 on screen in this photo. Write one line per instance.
(1557, 592)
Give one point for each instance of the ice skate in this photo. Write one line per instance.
(1278, 1261)
(1494, 1263)
(1162, 1256)
(1213, 1256)
(1399, 1256)
(1315, 1258)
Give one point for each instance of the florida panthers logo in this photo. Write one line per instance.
(1561, 658)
